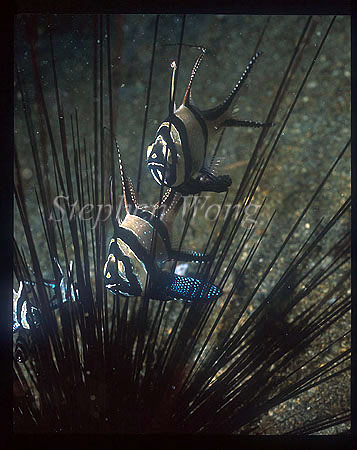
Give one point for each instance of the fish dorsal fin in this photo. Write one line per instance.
(187, 97)
(170, 204)
(242, 79)
(191, 102)
(129, 194)
(172, 104)
(165, 198)
(169, 201)
(229, 102)
(114, 214)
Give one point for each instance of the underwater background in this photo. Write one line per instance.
(316, 132)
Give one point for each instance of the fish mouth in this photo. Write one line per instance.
(121, 286)
(116, 288)
(155, 164)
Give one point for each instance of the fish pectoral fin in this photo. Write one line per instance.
(211, 166)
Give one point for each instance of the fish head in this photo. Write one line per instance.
(123, 273)
(160, 161)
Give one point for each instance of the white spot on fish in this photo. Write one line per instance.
(181, 269)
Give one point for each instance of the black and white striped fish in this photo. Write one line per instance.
(178, 156)
(131, 267)
(26, 316)
(23, 313)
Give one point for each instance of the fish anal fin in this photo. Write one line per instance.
(211, 179)
(245, 123)
(189, 256)
(208, 183)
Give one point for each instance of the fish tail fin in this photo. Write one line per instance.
(190, 289)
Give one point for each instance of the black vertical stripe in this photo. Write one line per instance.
(203, 126)
(180, 126)
(156, 223)
(164, 132)
(132, 286)
(129, 238)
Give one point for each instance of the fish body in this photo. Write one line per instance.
(25, 316)
(133, 268)
(178, 155)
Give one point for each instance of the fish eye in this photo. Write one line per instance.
(154, 155)
(110, 260)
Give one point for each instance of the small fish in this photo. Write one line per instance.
(65, 285)
(130, 259)
(26, 316)
(21, 313)
(178, 156)
(23, 346)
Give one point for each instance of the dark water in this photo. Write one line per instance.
(315, 133)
